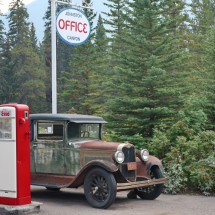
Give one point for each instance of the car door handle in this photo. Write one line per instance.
(35, 145)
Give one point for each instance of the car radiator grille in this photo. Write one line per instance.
(129, 158)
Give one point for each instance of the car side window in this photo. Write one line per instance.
(49, 131)
(87, 131)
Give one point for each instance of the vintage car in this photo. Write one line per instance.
(67, 151)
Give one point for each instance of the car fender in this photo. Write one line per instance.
(79, 179)
(143, 168)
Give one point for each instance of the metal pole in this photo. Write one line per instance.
(54, 50)
(54, 58)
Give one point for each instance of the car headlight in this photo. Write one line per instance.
(144, 155)
(119, 157)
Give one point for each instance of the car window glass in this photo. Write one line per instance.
(76, 130)
(49, 131)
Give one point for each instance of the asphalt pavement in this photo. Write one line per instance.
(72, 201)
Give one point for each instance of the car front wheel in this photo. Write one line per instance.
(153, 191)
(100, 188)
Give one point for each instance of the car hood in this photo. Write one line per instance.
(103, 145)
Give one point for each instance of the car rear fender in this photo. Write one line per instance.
(79, 179)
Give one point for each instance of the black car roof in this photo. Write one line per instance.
(77, 118)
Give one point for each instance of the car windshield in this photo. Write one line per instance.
(77, 131)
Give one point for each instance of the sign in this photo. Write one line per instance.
(73, 26)
(5, 113)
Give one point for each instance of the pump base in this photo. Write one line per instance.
(34, 207)
(15, 201)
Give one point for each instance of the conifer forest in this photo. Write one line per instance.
(148, 68)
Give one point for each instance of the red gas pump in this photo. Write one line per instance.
(14, 154)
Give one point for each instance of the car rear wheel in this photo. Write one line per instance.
(100, 188)
(153, 191)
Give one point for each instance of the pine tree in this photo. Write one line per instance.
(18, 22)
(46, 49)
(146, 77)
(33, 38)
(2, 44)
(201, 48)
(2, 39)
(209, 75)
(115, 17)
(78, 81)
(202, 18)
(99, 94)
(25, 64)
(116, 26)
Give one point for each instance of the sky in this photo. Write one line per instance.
(5, 4)
(37, 9)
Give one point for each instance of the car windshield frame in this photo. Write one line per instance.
(83, 131)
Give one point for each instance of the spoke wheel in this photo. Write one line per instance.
(153, 191)
(100, 188)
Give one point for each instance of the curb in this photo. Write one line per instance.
(32, 208)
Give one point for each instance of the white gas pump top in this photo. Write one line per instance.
(7, 123)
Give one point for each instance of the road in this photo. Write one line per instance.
(72, 201)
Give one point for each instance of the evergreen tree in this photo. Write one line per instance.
(201, 48)
(146, 77)
(2, 44)
(99, 94)
(115, 17)
(25, 64)
(2, 39)
(202, 18)
(116, 26)
(46, 48)
(8, 79)
(18, 23)
(115, 30)
(203, 15)
(33, 38)
(78, 81)
(209, 75)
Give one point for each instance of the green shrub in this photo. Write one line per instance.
(177, 179)
(160, 144)
(202, 175)
(189, 162)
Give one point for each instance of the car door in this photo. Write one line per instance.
(48, 147)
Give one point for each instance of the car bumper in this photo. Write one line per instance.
(139, 184)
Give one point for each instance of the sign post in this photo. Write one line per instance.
(67, 23)
(54, 57)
